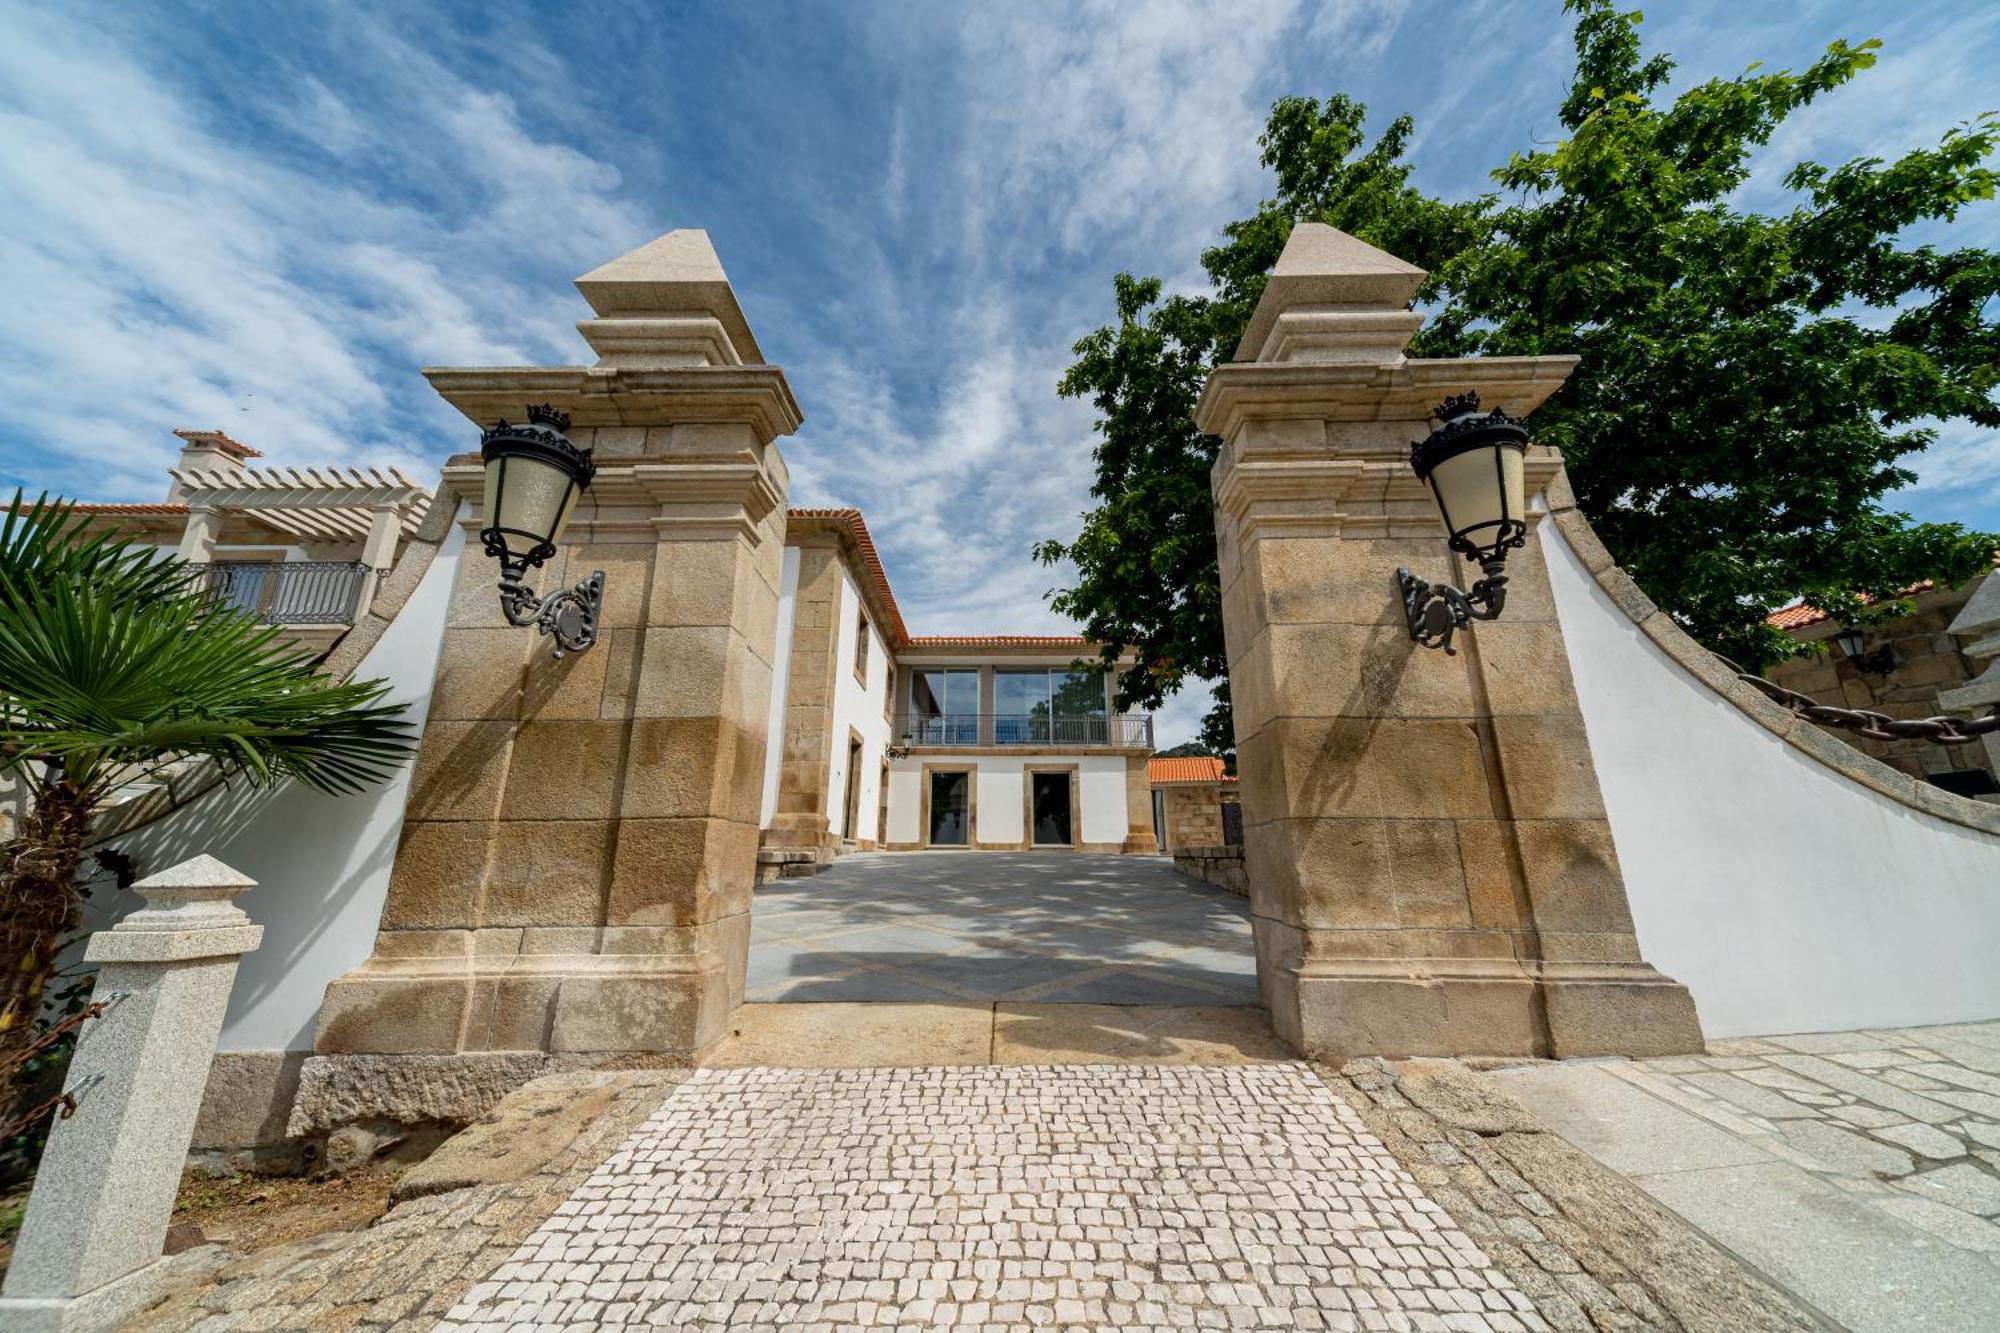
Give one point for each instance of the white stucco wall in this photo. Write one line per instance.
(781, 675)
(857, 709)
(1000, 781)
(1787, 897)
(321, 862)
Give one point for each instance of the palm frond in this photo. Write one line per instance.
(45, 541)
(132, 664)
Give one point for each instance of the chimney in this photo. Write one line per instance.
(209, 451)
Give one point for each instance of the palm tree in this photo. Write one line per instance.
(114, 662)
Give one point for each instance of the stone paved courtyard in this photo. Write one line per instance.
(1859, 1169)
(1047, 927)
(1137, 1196)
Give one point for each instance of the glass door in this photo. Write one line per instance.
(951, 809)
(1049, 803)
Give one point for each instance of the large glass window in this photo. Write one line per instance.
(1048, 706)
(944, 707)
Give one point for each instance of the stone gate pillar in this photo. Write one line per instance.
(579, 845)
(1431, 870)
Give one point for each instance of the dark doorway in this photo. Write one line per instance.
(951, 809)
(1050, 803)
(851, 806)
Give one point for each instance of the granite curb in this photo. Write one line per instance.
(1591, 1249)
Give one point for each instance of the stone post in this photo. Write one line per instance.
(580, 840)
(197, 544)
(1979, 622)
(1431, 869)
(105, 1190)
(800, 821)
(378, 552)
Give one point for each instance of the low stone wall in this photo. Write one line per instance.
(1220, 866)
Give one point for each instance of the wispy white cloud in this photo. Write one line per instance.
(163, 274)
(921, 206)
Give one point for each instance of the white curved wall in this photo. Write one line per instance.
(321, 862)
(1787, 897)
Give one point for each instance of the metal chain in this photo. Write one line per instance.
(66, 1100)
(1874, 725)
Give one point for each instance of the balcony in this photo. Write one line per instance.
(1123, 731)
(291, 592)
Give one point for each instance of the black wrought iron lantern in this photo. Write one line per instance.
(534, 478)
(1474, 467)
(1854, 647)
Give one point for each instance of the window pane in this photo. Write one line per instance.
(1021, 707)
(1079, 693)
(944, 707)
(927, 694)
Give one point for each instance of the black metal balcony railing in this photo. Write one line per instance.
(291, 592)
(1126, 730)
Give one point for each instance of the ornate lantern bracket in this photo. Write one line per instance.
(1472, 465)
(534, 478)
(569, 617)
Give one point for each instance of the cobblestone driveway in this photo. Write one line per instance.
(1047, 927)
(1093, 1195)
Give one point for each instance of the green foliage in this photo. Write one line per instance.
(1187, 750)
(115, 662)
(115, 659)
(1750, 386)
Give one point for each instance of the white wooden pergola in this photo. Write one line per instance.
(374, 506)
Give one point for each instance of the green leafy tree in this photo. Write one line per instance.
(115, 662)
(1751, 384)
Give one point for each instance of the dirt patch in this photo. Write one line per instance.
(254, 1213)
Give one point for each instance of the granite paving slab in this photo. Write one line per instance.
(1039, 926)
(1861, 1173)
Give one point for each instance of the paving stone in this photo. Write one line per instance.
(1965, 1187)
(1844, 1150)
(941, 926)
(820, 1182)
(1869, 1088)
(1946, 1223)
(1868, 1117)
(1749, 1096)
(1924, 1141)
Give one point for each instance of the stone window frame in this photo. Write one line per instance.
(1028, 842)
(861, 646)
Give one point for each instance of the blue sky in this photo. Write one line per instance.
(264, 218)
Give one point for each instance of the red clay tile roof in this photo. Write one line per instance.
(1186, 768)
(161, 507)
(234, 448)
(998, 641)
(895, 631)
(898, 633)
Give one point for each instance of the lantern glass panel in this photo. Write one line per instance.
(1473, 498)
(529, 501)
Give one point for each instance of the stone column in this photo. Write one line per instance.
(197, 545)
(800, 820)
(105, 1190)
(1139, 837)
(1431, 869)
(579, 844)
(1978, 622)
(378, 552)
